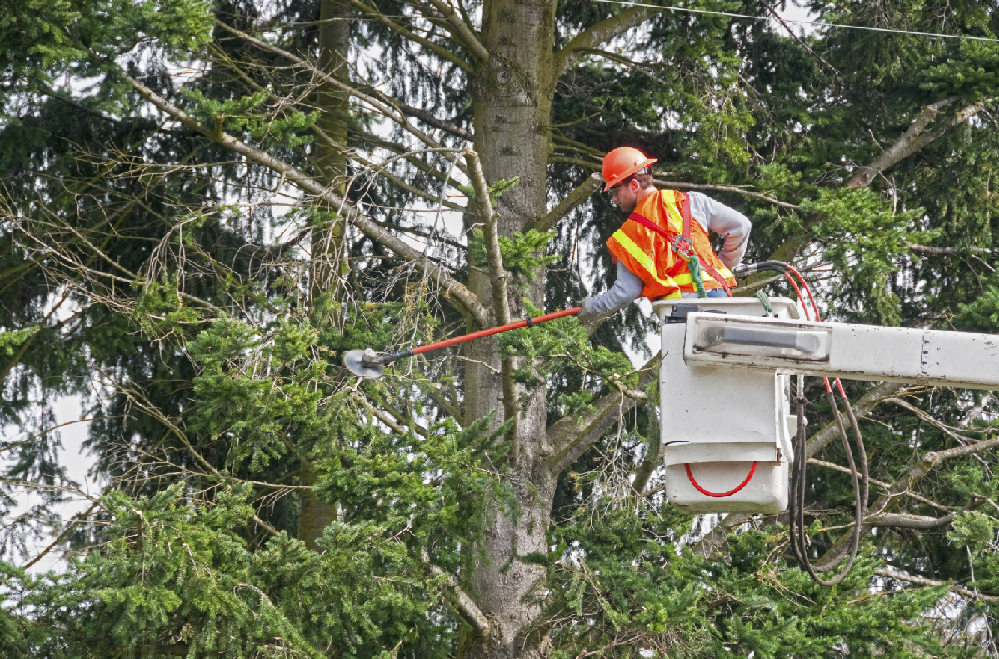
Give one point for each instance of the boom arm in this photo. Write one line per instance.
(856, 352)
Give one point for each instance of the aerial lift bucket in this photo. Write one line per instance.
(726, 433)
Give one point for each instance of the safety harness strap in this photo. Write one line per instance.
(688, 255)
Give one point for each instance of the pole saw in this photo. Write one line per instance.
(369, 364)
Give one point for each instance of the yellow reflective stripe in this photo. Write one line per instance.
(685, 278)
(643, 259)
(673, 215)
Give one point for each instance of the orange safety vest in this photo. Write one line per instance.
(650, 254)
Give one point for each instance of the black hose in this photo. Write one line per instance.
(799, 541)
(763, 266)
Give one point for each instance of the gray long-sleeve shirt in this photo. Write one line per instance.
(715, 217)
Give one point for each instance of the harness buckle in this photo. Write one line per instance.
(683, 247)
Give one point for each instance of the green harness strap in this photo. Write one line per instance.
(697, 275)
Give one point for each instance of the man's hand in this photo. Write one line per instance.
(588, 318)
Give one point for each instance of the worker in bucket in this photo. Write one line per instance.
(661, 252)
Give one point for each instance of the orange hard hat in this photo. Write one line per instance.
(621, 163)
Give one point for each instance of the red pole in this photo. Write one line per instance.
(368, 364)
(496, 330)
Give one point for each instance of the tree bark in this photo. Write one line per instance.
(512, 109)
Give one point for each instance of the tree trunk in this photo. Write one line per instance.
(512, 107)
(329, 265)
(328, 254)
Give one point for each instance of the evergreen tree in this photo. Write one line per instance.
(204, 205)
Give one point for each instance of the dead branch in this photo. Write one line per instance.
(403, 32)
(908, 481)
(497, 274)
(600, 33)
(911, 141)
(923, 581)
(314, 187)
(582, 192)
(461, 600)
(462, 31)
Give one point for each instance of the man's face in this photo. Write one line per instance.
(626, 195)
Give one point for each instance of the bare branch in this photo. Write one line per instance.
(497, 275)
(462, 31)
(314, 187)
(583, 192)
(683, 185)
(953, 251)
(431, 120)
(909, 143)
(773, 13)
(861, 408)
(600, 34)
(62, 536)
(906, 521)
(383, 172)
(947, 430)
(908, 481)
(923, 581)
(881, 484)
(426, 43)
(264, 525)
(380, 415)
(912, 140)
(464, 604)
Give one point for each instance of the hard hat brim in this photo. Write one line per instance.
(628, 172)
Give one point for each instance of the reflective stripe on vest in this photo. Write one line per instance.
(649, 265)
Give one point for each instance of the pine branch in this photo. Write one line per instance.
(403, 32)
(601, 33)
(314, 187)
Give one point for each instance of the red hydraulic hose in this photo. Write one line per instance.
(720, 494)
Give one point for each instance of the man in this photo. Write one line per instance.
(658, 253)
